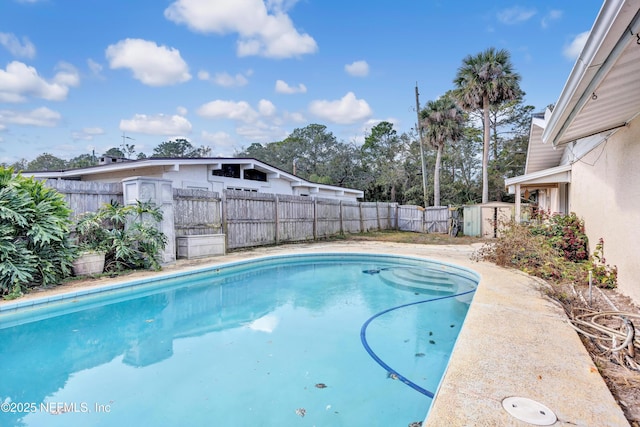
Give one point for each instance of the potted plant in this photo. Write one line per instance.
(92, 244)
(126, 236)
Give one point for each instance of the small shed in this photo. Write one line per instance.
(487, 219)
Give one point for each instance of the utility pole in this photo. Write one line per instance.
(424, 167)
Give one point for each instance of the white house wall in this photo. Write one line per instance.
(605, 192)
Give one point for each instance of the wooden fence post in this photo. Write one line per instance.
(341, 219)
(315, 219)
(223, 216)
(277, 222)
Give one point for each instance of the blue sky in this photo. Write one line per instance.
(76, 76)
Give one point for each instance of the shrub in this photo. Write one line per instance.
(604, 275)
(556, 251)
(566, 233)
(128, 234)
(34, 225)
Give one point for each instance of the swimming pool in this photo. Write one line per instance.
(324, 339)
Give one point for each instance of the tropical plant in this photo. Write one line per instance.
(34, 225)
(484, 80)
(443, 121)
(128, 234)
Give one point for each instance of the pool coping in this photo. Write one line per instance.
(514, 341)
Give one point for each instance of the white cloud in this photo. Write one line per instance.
(40, 117)
(266, 108)
(294, 117)
(203, 75)
(357, 68)
(346, 110)
(280, 6)
(573, 49)
(95, 67)
(21, 49)
(515, 15)
(67, 75)
(87, 134)
(222, 143)
(153, 65)
(553, 15)
(261, 132)
(260, 32)
(283, 87)
(236, 110)
(233, 110)
(182, 110)
(227, 80)
(19, 81)
(160, 124)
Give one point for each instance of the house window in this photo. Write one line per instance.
(228, 171)
(255, 175)
(250, 190)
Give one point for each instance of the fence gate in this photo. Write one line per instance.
(436, 219)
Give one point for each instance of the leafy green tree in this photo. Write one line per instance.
(383, 151)
(34, 225)
(18, 166)
(128, 150)
(485, 80)
(443, 122)
(510, 124)
(82, 161)
(46, 162)
(176, 148)
(114, 152)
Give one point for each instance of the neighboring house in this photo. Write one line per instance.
(584, 157)
(213, 174)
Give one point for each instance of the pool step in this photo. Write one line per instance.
(420, 280)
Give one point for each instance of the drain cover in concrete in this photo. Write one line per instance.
(529, 411)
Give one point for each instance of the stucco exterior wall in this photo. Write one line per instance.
(605, 192)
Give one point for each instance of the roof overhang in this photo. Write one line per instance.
(540, 156)
(545, 178)
(603, 89)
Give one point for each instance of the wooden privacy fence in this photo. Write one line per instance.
(86, 196)
(433, 219)
(196, 212)
(254, 219)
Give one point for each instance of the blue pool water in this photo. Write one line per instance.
(306, 340)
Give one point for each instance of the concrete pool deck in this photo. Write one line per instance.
(514, 342)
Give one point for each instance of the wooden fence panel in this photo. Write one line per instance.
(250, 218)
(369, 212)
(411, 218)
(436, 219)
(197, 212)
(86, 196)
(351, 222)
(328, 221)
(295, 218)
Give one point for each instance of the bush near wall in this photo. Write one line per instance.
(555, 248)
(34, 225)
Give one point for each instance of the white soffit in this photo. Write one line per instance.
(540, 156)
(603, 91)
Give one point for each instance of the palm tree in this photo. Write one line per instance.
(482, 81)
(443, 121)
